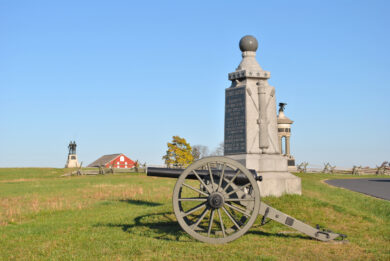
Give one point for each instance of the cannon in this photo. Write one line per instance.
(217, 200)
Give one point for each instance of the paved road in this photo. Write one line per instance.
(379, 188)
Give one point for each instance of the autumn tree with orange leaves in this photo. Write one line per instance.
(179, 153)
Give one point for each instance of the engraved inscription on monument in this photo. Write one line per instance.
(235, 120)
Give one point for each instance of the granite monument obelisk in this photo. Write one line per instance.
(251, 132)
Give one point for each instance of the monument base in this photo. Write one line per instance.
(273, 168)
(72, 161)
(279, 183)
(292, 169)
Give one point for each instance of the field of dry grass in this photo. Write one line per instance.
(130, 217)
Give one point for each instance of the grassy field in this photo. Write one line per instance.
(129, 217)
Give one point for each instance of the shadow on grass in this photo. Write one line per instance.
(282, 235)
(159, 226)
(165, 227)
(140, 202)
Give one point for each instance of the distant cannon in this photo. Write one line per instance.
(217, 200)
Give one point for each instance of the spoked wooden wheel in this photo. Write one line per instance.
(216, 200)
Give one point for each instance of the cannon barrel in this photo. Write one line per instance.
(175, 173)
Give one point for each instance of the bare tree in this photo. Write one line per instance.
(356, 170)
(302, 168)
(328, 168)
(219, 150)
(195, 152)
(200, 151)
(381, 170)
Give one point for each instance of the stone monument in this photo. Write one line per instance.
(251, 132)
(284, 132)
(72, 161)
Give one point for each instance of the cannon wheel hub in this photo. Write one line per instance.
(216, 200)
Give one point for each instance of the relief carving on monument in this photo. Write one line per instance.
(235, 121)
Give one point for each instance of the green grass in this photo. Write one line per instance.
(130, 217)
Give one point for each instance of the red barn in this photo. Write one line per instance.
(113, 160)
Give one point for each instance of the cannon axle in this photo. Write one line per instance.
(241, 178)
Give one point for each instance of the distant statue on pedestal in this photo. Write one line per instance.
(284, 134)
(72, 161)
(281, 106)
(72, 147)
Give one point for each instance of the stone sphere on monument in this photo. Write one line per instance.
(248, 43)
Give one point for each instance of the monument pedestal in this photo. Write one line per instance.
(273, 168)
(72, 161)
(292, 169)
(279, 183)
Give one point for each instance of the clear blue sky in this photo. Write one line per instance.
(125, 76)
